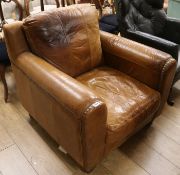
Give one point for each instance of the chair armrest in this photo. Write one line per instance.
(172, 30)
(79, 103)
(14, 34)
(173, 21)
(150, 66)
(66, 90)
(154, 41)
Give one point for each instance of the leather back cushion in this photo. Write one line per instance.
(144, 15)
(67, 37)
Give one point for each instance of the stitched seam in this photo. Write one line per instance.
(85, 24)
(83, 135)
(7, 147)
(68, 109)
(114, 41)
(164, 69)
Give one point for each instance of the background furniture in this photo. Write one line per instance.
(108, 22)
(10, 7)
(146, 22)
(35, 6)
(107, 15)
(90, 91)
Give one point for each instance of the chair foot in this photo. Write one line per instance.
(62, 149)
(31, 117)
(170, 100)
(2, 75)
(149, 124)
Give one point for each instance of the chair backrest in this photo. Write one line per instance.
(67, 37)
(10, 10)
(144, 15)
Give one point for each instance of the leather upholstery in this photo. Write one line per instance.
(144, 63)
(128, 101)
(67, 110)
(67, 40)
(96, 111)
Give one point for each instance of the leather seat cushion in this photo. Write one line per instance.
(67, 37)
(129, 102)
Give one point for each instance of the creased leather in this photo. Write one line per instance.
(128, 101)
(70, 42)
(148, 65)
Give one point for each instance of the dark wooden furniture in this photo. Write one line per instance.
(4, 59)
(100, 4)
(27, 2)
(20, 8)
(107, 22)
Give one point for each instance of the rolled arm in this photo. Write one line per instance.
(81, 104)
(15, 39)
(155, 42)
(150, 66)
(66, 90)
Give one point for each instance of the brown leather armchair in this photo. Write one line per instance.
(89, 90)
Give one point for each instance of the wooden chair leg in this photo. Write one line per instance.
(177, 75)
(2, 75)
(170, 99)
